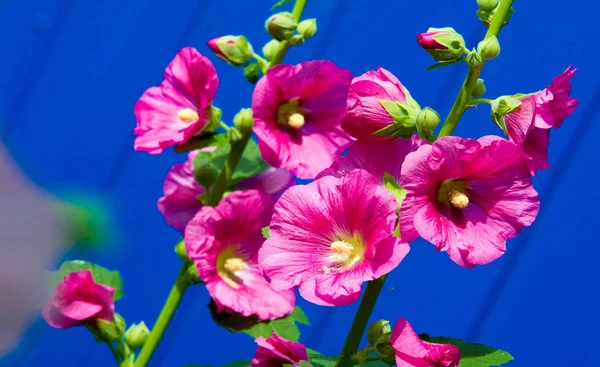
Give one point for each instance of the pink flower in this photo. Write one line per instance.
(180, 107)
(533, 140)
(297, 112)
(180, 201)
(377, 158)
(553, 104)
(411, 351)
(276, 352)
(330, 236)
(77, 300)
(364, 112)
(223, 242)
(467, 197)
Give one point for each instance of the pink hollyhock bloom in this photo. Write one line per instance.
(553, 104)
(77, 300)
(376, 158)
(223, 242)
(276, 352)
(411, 351)
(533, 140)
(180, 202)
(297, 112)
(180, 107)
(330, 236)
(467, 197)
(364, 112)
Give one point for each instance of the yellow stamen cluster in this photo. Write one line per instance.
(188, 115)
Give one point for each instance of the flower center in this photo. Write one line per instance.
(228, 264)
(188, 115)
(345, 253)
(290, 114)
(454, 194)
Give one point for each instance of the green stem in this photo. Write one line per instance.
(285, 45)
(360, 322)
(224, 126)
(464, 96)
(114, 353)
(479, 101)
(177, 292)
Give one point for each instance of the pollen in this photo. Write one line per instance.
(345, 253)
(229, 263)
(188, 115)
(296, 120)
(342, 249)
(234, 264)
(458, 199)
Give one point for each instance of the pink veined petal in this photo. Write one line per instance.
(520, 122)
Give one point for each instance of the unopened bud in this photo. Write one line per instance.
(385, 350)
(136, 335)
(270, 48)
(489, 48)
(307, 28)
(281, 26)
(297, 40)
(444, 44)
(251, 72)
(474, 59)
(243, 120)
(378, 329)
(479, 89)
(428, 119)
(487, 5)
(236, 50)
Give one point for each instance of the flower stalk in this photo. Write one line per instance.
(464, 96)
(285, 45)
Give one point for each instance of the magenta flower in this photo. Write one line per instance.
(377, 158)
(180, 107)
(330, 236)
(365, 113)
(467, 197)
(553, 104)
(180, 200)
(297, 112)
(78, 300)
(411, 351)
(223, 242)
(533, 140)
(276, 352)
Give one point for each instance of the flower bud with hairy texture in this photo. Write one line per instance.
(281, 26)
(236, 50)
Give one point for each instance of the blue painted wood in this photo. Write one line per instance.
(69, 99)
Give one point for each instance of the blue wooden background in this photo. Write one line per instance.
(72, 71)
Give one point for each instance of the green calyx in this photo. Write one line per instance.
(404, 115)
(502, 106)
(236, 50)
(453, 44)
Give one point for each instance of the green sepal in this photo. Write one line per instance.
(101, 275)
(476, 355)
(266, 232)
(445, 63)
(399, 193)
(281, 3)
(109, 331)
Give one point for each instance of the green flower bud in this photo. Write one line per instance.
(251, 72)
(270, 48)
(180, 251)
(297, 40)
(487, 5)
(136, 335)
(444, 44)
(281, 26)
(110, 331)
(243, 120)
(385, 350)
(307, 28)
(378, 329)
(489, 48)
(428, 119)
(479, 89)
(474, 59)
(236, 50)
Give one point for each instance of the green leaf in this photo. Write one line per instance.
(239, 363)
(250, 164)
(377, 363)
(445, 63)
(399, 193)
(476, 355)
(319, 360)
(305, 364)
(285, 326)
(211, 139)
(266, 232)
(101, 275)
(281, 3)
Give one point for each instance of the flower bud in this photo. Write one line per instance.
(180, 251)
(385, 350)
(444, 44)
(487, 5)
(236, 50)
(110, 331)
(474, 59)
(297, 40)
(136, 335)
(307, 28)
(489, 48)
(281, 26)
(243, 120)
(428, 119)
(251, 72)
(377, 329)
(270, 48)
(479, 89)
